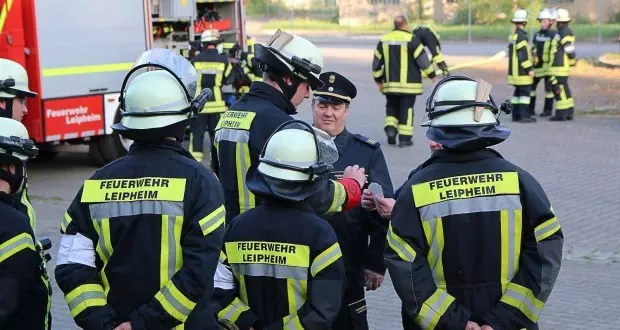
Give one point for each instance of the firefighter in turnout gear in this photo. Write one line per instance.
(213, 71)
(562, 59)
(292, 65)
(13, 93)
(361, 234)
(398, 65)
(251, 67)
(24, 285)
(430, 39)
(541, 52)
(520, 69)
(141, 240)
(473, 240)
(281, 266)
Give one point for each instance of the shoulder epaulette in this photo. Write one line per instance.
(368, 140)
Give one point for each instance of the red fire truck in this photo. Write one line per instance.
(78, 52)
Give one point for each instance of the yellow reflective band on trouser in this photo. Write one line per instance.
(325, 258)
(524, 300)
(404, 250)
(66, 220)
(292, 322)
(433, 309)
(275, 253)
(565, 103)
(546, 229)
(213, 221)
(465, 186)
(171, 253)
(378, 54)
(402, 88)
(127, 190)
(86, 69)
(15, 245)
(390, 121)
(85, 296)
(520, 80)
(433, 230)
(511, 222)
(340, 196)
(407, 129)
(174, 302)
(233, 311)
(32, 218)
(521, 99)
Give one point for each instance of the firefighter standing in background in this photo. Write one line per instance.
(141, 240)
(24, 285)
(520, 70)
(541, 52)
(361, 234)
(213, 70)
(291, 65)
(474, 242)
(430, 40)
(251, 67)
(562, 59)
(281, 266)
(398, 65)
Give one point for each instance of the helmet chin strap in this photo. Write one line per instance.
(16, 182)
(8, 111)
(288, 90)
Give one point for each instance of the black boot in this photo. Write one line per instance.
(532, 106)
(391, 133)
(405, 140)
(548, 107)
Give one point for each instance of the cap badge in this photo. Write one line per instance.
(332, 78)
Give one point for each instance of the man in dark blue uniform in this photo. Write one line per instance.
(363, 260)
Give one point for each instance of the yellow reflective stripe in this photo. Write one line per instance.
(546, 229)
(567, 39)
(86, 69)
(428, 70)
(433, 309)
(6, 8)
(378, 73)
(418, 51)
(247, 200)
(465, 186)
(66, 220)
(296, 291)
(524, 300)
(104, 245)
(521, 44)
(126, 190)
(15, 245)
(526, 64)
(325, 258)
(277, 253)
(228, 70)
(31, 215)
(292, 322)
(402, 248)
(390, 121)
(171, 254)
(210, 67)
(213, 221)
(243, 292)
(404, 62)
(405, 129)
(241, 120)
(386, 52)
(85, 296)
(340, 196)
(174, 302)
(48, 307)
(511, 227)
(222, 256)
(378, 54)
(433, 230)
(233, 311)
(439, 58)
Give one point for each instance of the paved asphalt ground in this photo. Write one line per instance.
(578, 164)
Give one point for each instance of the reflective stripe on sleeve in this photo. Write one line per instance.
(524, 300)
(213, 221)
(340, 195)
(85, 296)
(546, 229)
(404, 250)
(15, 245)
(174, 302)
(66, 220)
(433, 309)
(233, 311)
(325, 258)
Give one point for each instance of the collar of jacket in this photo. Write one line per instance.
(7, 199)
(271, 94)
(342, 140)
(162, 145)
(453, 156)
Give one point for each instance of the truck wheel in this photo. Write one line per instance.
(94, 152)
(114, 146)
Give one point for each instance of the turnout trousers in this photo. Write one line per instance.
(204, 122)
(399, 118)
(565, 105)
(548, 107)
(521, 102)
(353, 311)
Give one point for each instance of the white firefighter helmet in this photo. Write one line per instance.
(562, 15)
(159, 92)
(299, 56)
(452, 104)
(544, 13)
(13, 80)
(520, 16)
(210, 35)
(15, 148)
(554, 13)
(296, 152)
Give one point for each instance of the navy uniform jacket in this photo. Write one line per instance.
(353, 227)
